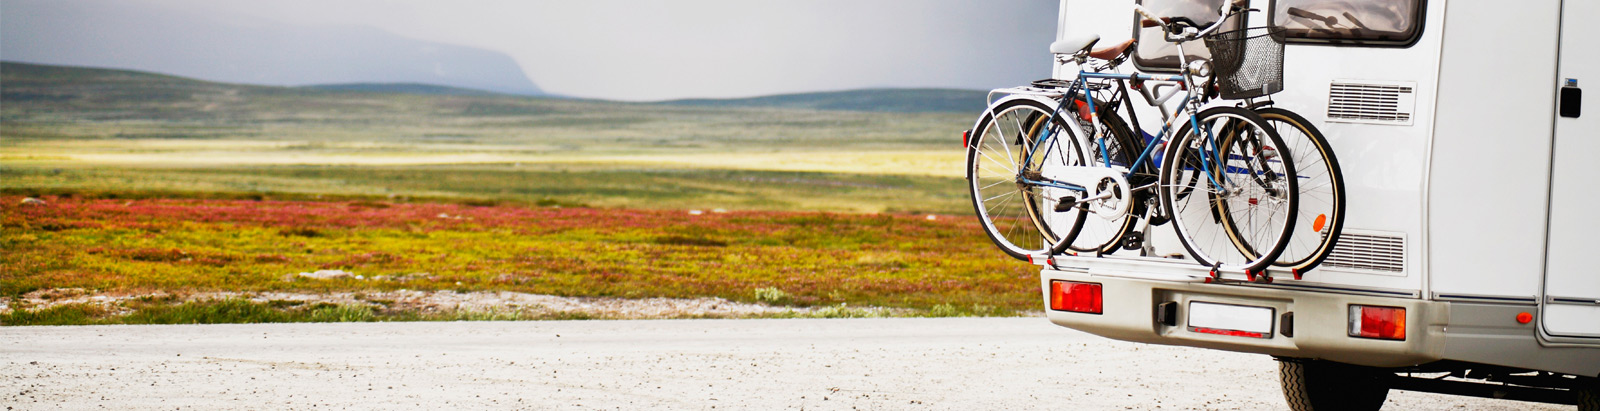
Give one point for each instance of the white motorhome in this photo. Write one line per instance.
(1470, 207)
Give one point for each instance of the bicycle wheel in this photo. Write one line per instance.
(1321, 207)
(1232, 201)
(1100, 235)
(1015, 215)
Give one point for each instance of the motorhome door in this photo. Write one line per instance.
(1572, 267)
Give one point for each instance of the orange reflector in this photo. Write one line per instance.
(1083, 110)
(1322, 220)
(1075, 297)
(1384, 323)
(1524, 318)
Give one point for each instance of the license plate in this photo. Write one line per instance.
(1230, 319)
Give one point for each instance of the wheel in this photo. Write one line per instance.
(1100, 235)
(1232, 200)
(1015, 216)
(1589, 394)
(1321, 207)
(1310, 385)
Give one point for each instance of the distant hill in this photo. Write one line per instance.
(166, 38)
(94, 87)
(881, 100)
(403, 88)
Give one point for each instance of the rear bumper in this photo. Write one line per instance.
(1319, 326)
(1435, 330)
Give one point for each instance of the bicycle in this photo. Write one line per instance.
(1229, 180)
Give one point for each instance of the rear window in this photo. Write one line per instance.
(1369, 23)
(1353, 22)
(1155, 53)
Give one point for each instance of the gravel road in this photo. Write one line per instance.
(952, 363)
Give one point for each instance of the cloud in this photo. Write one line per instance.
(656, 49)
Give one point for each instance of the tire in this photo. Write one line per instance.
(1315, 385)
(1589, 397)
(1230, 199)
(1013, 215)
(1321, 204)
(1099, 235)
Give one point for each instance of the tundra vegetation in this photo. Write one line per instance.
(155, 189)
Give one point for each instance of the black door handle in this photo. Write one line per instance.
(1571, 99)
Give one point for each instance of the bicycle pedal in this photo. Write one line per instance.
(1133, 241)
(1066, 204)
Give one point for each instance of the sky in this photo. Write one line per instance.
(640, 50)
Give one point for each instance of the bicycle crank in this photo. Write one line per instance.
(1107, 193)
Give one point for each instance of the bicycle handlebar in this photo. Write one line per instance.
(1176, 27)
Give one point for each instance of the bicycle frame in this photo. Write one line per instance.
(1146, 154)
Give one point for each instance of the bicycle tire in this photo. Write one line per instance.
(1099, 235)
(1321, 204)
(1228, 227)
(1013, 215)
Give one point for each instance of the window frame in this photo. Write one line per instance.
(1419, 22)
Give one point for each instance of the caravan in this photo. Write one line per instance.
(1469, 202)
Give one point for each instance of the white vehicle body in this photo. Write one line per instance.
(1469, 199)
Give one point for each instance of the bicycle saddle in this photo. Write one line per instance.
(1073, 45)
(1112, 52)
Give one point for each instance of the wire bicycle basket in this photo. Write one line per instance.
(1248, 62)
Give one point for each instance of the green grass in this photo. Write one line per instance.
(286, 180)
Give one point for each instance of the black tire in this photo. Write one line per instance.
(1321, 204)
(1317, 385)
(1099, 235)
(1230, 199)
(1013, 215)
(1589, 397)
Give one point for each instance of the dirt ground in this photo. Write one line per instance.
(903, 363)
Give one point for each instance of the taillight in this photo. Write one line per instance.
(1075, 297)
(1384, 323)
(966, 138)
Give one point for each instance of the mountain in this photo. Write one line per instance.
(131, 94)
(881, 100)
(403, 88)
(149, 37)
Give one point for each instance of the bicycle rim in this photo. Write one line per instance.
(1101, 235)
(1320, 215)
(1013, 215)
(1232, 201)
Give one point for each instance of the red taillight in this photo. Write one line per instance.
(1075, 297)
(966, 138)
(1385, 323)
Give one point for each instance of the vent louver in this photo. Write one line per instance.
(1369, 252)
(1371, 102)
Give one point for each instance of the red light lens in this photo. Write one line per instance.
(1075, 297)
(1385, 323)
(966, 138)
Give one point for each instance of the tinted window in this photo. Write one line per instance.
(1374, 22)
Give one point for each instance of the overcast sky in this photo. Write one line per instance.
(651, 50)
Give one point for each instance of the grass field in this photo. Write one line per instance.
(159, 183)
(182, 246)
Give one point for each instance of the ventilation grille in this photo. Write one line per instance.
(1372, 103)
(1381, 253)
